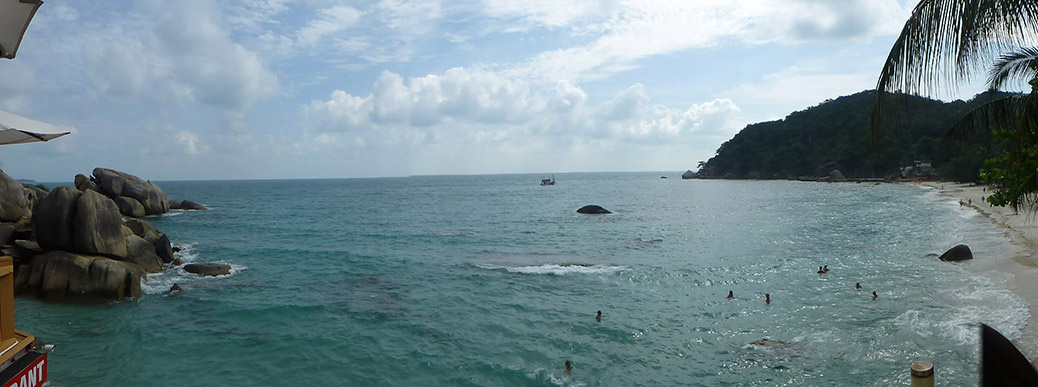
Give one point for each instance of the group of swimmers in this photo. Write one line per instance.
(767, 296)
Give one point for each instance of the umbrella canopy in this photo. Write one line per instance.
(15, 16)
(15, 129)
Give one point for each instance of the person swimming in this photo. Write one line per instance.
(826, 268)
(767, 298)
(730, 295)
(598, 318)
(569, 368)
(874, 296)
(820, 271)
(857, 286)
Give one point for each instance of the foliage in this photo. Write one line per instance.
(828, 136)
(946, 42)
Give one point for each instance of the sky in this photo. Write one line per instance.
(278, 89)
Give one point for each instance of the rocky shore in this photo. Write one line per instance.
(85, 244)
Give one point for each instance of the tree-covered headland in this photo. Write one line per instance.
(813, 142)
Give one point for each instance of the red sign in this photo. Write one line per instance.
(33, 375)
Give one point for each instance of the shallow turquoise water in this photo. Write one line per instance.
(494, 280)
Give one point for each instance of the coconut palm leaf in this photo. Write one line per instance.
(945, 42)
(1014, 66)
(998, 113)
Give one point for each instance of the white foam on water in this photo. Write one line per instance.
(159, 283)
(556, 269)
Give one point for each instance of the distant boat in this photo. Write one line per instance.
(663, 177)
(548, 181)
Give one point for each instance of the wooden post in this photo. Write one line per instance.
(6, 299)
(922, 374)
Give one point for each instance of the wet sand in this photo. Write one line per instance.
(1022, 264)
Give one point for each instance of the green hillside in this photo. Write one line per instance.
(831, 135)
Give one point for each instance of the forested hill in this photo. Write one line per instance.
(829, 136)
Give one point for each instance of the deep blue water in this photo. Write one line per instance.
(495, 280)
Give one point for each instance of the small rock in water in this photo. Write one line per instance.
(176, 262)
(175, 288)
(593, 210)
(210, 269)
(957, 253)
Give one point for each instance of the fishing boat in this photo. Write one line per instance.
(548, 181)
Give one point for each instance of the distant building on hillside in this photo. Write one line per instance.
(919, 168)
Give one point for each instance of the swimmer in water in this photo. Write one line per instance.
(730, 295)
(599, 316)
(874, 296)
(820, 271)
(826, 268)
(857, 286)
(569, 368)
(767, 298)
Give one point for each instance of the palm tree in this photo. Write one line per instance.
(947, 42)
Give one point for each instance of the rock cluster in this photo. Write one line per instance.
(73, 244)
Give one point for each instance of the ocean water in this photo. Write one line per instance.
(495, 281)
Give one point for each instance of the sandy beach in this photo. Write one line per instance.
(1022, 264)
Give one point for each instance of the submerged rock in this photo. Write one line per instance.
(593, 210)
(208, 269)
(766, 343)
(957, 253)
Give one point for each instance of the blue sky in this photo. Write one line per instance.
(173, 90)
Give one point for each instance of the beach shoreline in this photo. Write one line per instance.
(1021, 264)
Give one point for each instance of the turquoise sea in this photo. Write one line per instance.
(495, 281)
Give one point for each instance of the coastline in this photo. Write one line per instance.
(1021, 264)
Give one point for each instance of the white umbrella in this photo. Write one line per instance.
(15, 16)
(15, 129)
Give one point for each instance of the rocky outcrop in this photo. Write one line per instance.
(114, 183)
(957, 253)
(208, 269)
(130, 207)
(13, 202)
(185, 205)
(593, 210)
(97, 226)
(837, 177)
(688, 175)
(54, 217)
(142, 252)
(63, 276)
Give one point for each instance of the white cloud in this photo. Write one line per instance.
(645, 28)
(189, 140)
(465, 106)
(177, 51)
(331, 21)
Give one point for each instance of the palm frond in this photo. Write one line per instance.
(997, 113)
(946, 42)
(1014, 66)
